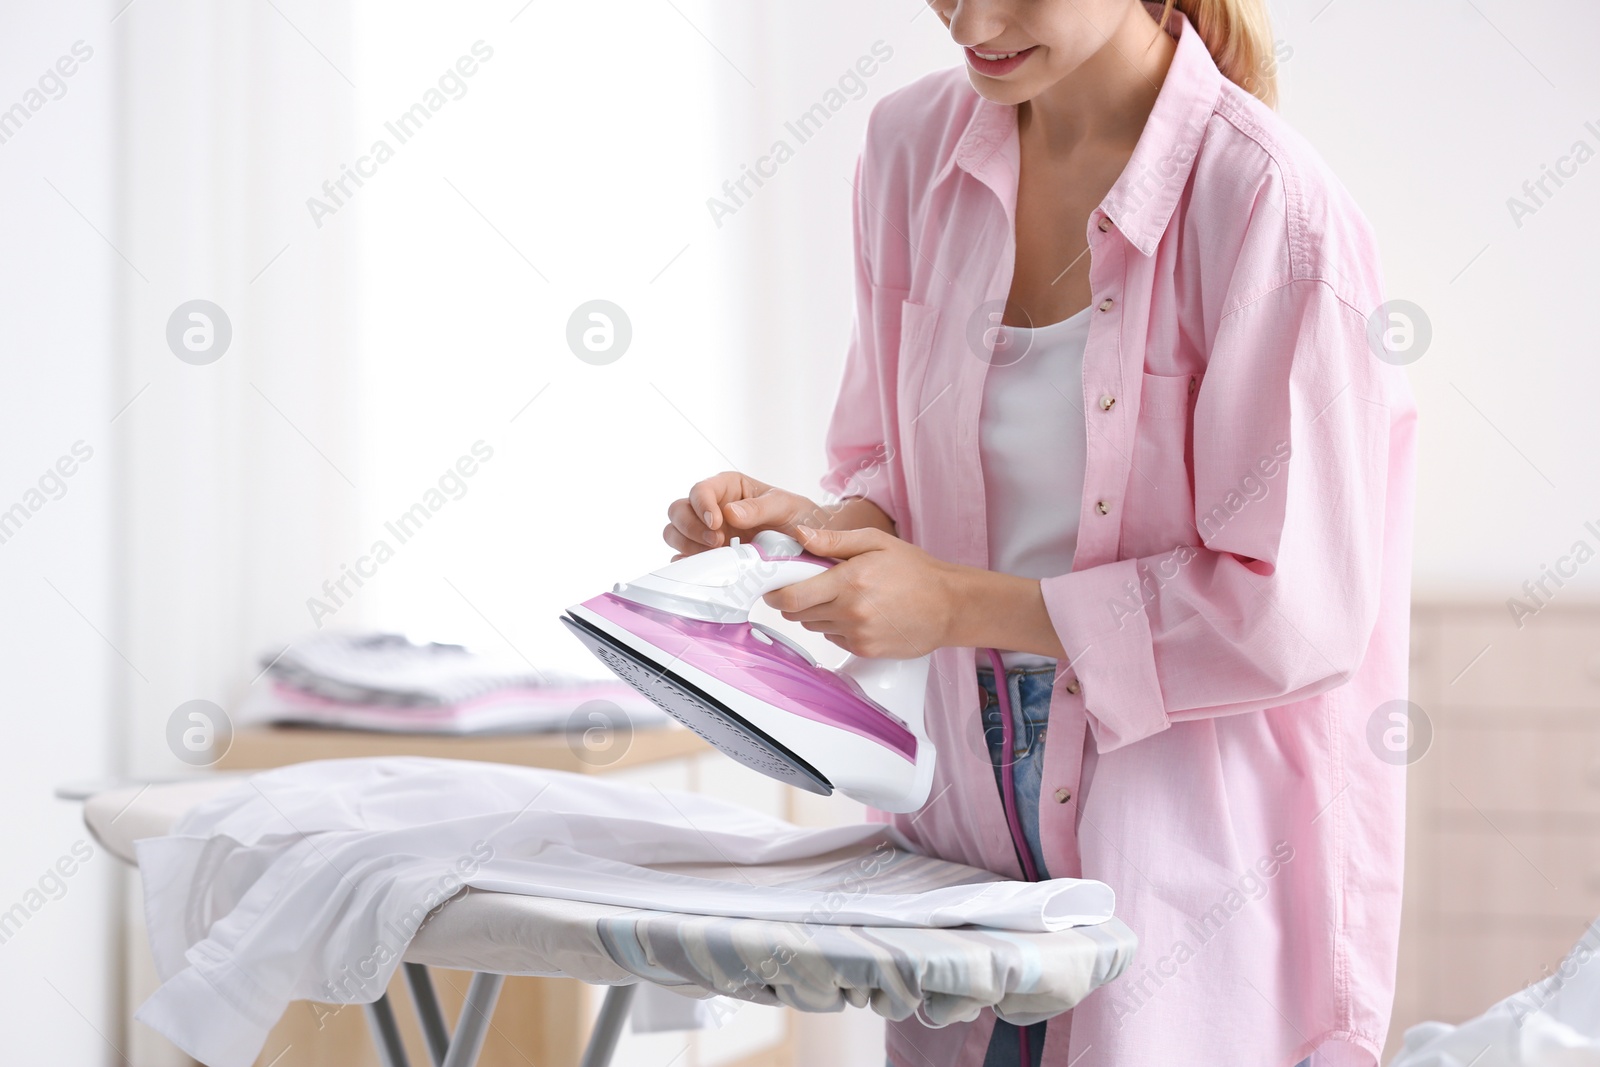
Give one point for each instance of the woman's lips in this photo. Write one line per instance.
(994, 68)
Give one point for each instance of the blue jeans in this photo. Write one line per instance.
(1029, 691)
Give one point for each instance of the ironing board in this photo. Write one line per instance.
(941, 975)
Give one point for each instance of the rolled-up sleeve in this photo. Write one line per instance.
(1278, 600)
(860, 445)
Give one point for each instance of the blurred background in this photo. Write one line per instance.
(373, 314)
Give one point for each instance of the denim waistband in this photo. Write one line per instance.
(1028, 689)
(1018, 672)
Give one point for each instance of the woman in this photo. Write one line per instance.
(1111, 422)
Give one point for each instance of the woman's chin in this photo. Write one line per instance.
(1001, 91)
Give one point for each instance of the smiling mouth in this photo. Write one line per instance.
(996, 64)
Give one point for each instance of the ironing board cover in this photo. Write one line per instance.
(942, 975)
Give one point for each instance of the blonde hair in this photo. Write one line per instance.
(1238, 34)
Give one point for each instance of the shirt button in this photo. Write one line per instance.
(1063, 795)
(1105, 224)
(1072, 687)
(1106, 304)
(1106, 402)
(1102, 507)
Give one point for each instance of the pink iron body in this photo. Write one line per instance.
(682, 637)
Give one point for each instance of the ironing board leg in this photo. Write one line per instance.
(434, 1030)
(473, 1024)
(608, 1028)
(386, 1033)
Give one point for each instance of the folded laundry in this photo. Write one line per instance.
(387, 682)
(306, 882)
(582, 706)
(390, 668)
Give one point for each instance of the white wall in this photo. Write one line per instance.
(242, 471)
(569, 170)
(174, 167)
(1435, 114)
(58, 280)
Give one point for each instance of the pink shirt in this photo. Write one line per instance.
(1237, 610)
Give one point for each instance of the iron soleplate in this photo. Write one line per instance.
(713, 720)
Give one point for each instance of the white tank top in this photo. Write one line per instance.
(1032, 442)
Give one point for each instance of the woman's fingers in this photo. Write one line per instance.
(811, 595)
(821, 619)
(705, 503)
(707, 498)
(678, 542)
(698, 516)
(690, 527)
(770, 508)
(729, 505)
(842, 544)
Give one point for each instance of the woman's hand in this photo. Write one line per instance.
(729, 505)
(888, 600)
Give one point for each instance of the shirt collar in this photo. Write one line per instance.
(1144, 196)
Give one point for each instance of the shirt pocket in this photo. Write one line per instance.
(1159, 514)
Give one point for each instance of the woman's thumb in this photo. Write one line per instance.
(838, 544)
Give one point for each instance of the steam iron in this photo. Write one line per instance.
(682, 637)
